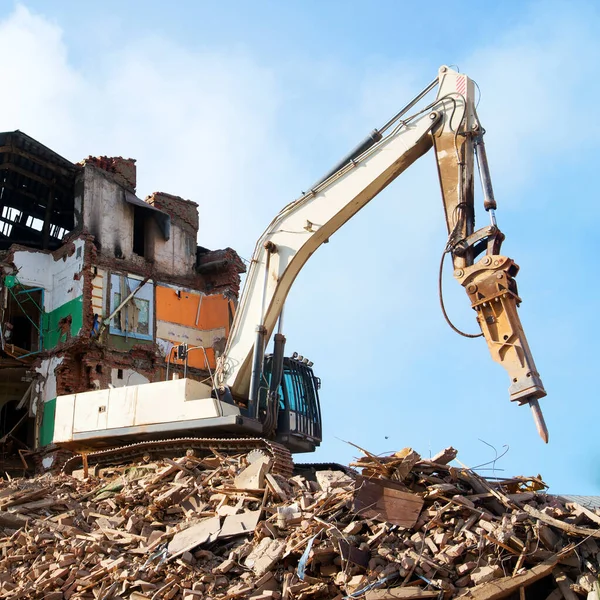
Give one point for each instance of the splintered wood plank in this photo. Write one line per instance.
(382, 500)
(12, 520)
(25, 496)
(506, 586)
(445, 456)
(572, 529)
(564, 585)
(592, 516)
(277, 489)
(400, 592)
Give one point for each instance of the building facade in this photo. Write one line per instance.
(97, 286)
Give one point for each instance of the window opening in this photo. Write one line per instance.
(139, 231)
(13, 422)
(34, 223)
(22, 325)
(133, 321)
(135, 318)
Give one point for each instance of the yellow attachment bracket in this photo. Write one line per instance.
(492, 289)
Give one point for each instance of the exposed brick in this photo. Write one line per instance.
(225, 277)
(123, 169)
(182, 212)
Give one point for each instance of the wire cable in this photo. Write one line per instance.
(479, 90)
(441, 296)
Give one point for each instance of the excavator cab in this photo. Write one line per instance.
(299, 414)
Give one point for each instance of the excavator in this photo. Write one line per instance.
(269, 403)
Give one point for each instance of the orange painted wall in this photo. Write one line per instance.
(214, 312)
(183, 310)
(196, 359)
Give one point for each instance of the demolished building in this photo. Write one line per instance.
(97, 286)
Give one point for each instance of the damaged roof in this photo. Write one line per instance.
(36, 193)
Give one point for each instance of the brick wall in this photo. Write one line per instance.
(183, 213)
(123, 169)
(221, 271)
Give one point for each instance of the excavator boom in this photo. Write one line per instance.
(450, 125)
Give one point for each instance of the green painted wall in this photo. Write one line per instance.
(47, 428)
(120, 343)
(52, 334)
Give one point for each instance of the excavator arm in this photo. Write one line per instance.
(489, 280)
(449, 124)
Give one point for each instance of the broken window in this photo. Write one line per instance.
(133, 319)
(34, 223)
(22, 317)
(9, 217)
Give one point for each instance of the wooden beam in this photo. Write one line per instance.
(504, 587)
(572, 529)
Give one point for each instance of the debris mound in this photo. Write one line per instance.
(226, 528)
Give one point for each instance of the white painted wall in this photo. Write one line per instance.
(176, 255)
(46, 388)
(39, 269)
(133, 406)
(130, 377)
(106, 215)
(64, 287)
(188, 335)
(35, 268)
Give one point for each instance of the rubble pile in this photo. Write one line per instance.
(226, 527)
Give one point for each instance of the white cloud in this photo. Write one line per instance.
(201, 125)
(38, 81)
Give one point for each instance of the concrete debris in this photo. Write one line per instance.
(217, 527)
(329, 480)
(253, 476)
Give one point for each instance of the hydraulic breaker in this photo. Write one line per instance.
(492, 289)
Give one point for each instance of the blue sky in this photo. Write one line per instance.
(239, 106)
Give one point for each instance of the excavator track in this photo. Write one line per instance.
(283, 464)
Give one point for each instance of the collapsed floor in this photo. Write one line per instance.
(225, 528)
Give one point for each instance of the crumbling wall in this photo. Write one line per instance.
(221, 270)
(177, 255)
(105, 213)
(112, 220)
(123, 170)
(59, 274)
(44, 404)
(183, 213)
(185, 316)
